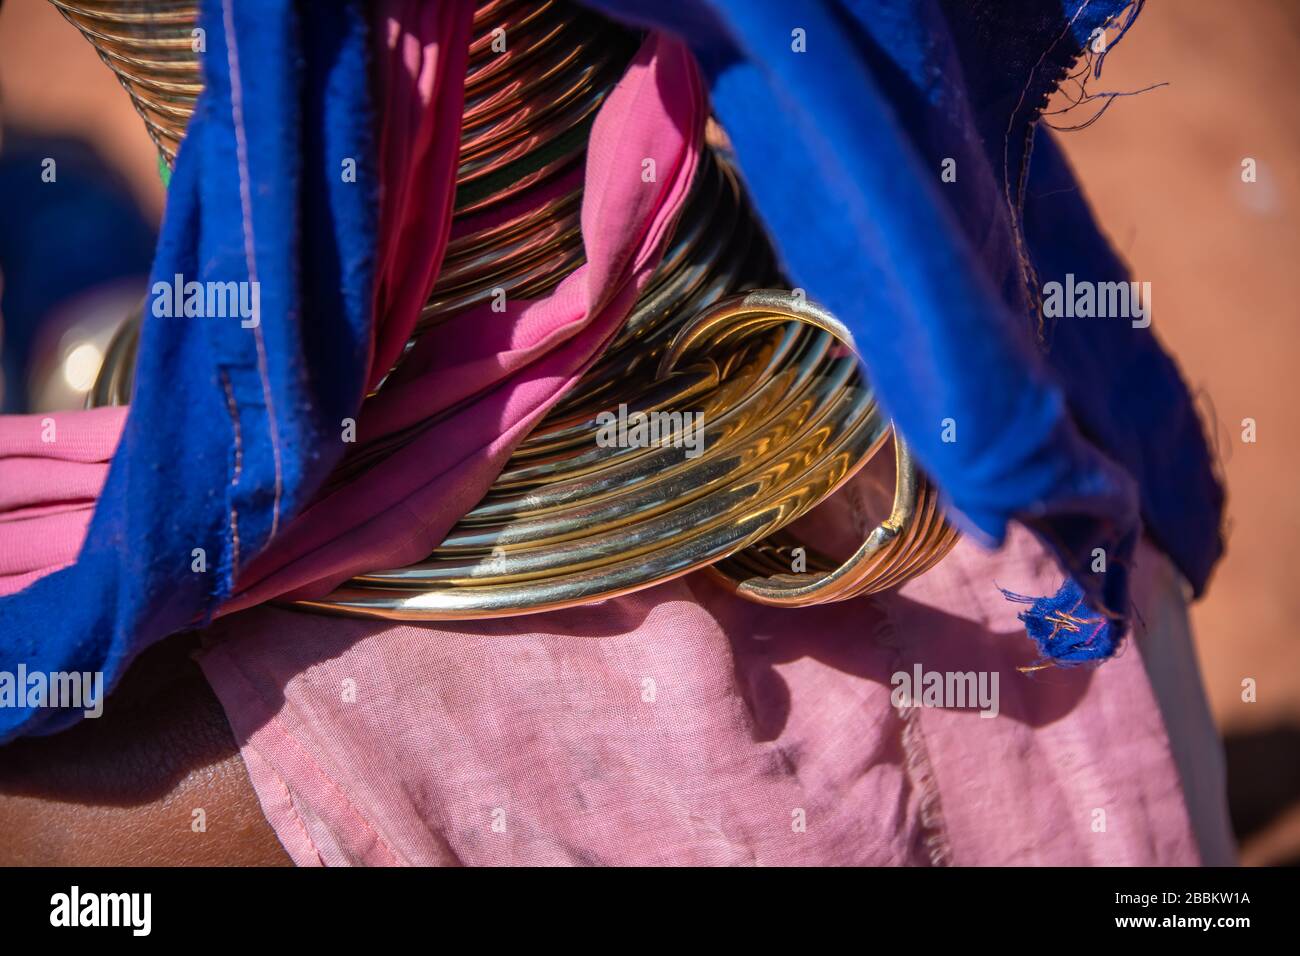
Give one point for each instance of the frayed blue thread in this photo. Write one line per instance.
(1065, 630)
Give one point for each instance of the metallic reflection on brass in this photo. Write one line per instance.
(150, 50)
(559, 64)
(787, 414)
(788, 419)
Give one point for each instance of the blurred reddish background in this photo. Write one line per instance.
(1163, 170)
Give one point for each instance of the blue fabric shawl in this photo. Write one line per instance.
(231, 428)
(1080, 428)
(842, 115)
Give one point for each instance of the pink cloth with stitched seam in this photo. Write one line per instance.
(681, 725)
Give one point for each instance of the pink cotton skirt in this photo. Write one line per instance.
(682, 725)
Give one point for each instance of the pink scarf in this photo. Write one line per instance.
(486, 377)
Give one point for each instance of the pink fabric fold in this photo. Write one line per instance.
(54, 480)
(516, 363)
(482, 379)
(421, 84)
(52, 467)
(682, 725)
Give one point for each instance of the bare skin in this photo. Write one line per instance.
(121, 790)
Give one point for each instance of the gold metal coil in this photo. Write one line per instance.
(149, 48)
(786, 415)
(528, 112)
(788, 419)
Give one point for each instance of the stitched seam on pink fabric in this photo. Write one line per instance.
(274, 725)
(294, 815)
(921, 773)
(250, 251)
(917, 765)
(259, 768)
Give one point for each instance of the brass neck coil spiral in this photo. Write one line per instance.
(785, 412)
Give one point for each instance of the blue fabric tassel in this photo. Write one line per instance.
(843, 115)
(1066, 632)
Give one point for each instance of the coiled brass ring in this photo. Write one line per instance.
(788, 418)
(911, 540)
(766, 408)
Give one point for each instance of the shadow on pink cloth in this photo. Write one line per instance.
(681, 725)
